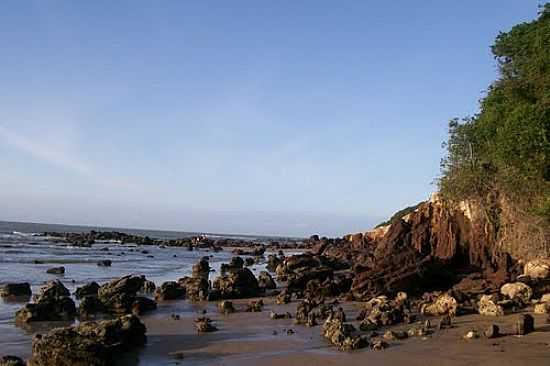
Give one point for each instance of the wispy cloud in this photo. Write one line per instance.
(44, 151)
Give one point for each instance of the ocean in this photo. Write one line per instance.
(21, 246)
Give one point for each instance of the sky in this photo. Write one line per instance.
(252, 117)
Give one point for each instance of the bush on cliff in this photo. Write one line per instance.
(505, 148)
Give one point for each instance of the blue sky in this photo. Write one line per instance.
(286, 117)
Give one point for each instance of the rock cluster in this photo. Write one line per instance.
(51, 304)
(89, 343)
(342, 335)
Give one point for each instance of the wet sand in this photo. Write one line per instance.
(253, 339)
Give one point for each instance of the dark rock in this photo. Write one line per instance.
(53, 290)
(47, 309)
(525, 324)
(195, 287)
(105, 263)
(204, 325)
(11, 361)
(226, 307)
(142, 305)
(240, 284)
(170, 291)
(14, 290)
(265, 281)
(56, 270)
(88, 344)
(249, 261)
(148, 287)
(90, 305)
(275, 316)
(202, 268)
(118, 296)
(89, 289)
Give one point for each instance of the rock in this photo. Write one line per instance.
(487, 305)
(89, 289)
(235, 264)
(255, 306)
(249, 261)
(517, 291)
(47, 309)
(118, 296)
(472, 334)
(88, 344)
(56, 270)
(538, 268)
(283, 298)
(11, 361)
(395, 335)
(240, 284)
(53, 290)
(274, 316)
(444, 322)
(444, 304)
(196, 288)
(170, 291)
(525, 324)
(265, 281)
(14, 290)
(204, 325)
(142, 305)
(379, 345)
(202, 268)
(148, 287)
(341, 335)
(90, 305)
(105, 263)
(226, 307)
(420, 331)
(492, 331)
(542, 308)
(545, 298)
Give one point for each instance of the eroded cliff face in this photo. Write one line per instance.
(434, 247)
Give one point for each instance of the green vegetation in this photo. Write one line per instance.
(505, 148)
(399, 214)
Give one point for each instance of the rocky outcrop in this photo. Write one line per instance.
(266, 282)
(90, 289)
(196, 288)
(443, 305)
(88, 344)
(517, 291)
(16, 290)
(342, 335)
(118, 296)
(11, 361)
(488, 305)
(170, 290)
(240, 284)
(52, 304)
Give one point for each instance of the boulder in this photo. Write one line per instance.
(542, 308)
(53, 290)
(15, 290)
(170, 290)
(11, 361)
(90, 305)
(88, 344)
(142, 305)
(105, 263)
(265, 281)
(255, 306)
(148, 287)
(240, 284)
(204, 325)
(56, 270)
(538, 268)
(488, 305)
(196, 288)
(517, 291)
(48, 309)
(118, 296)
(202, 268)
(275, 316)
(226, 307)
(89, 289)
(51, 304)
(342, 335)
(444, 304)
